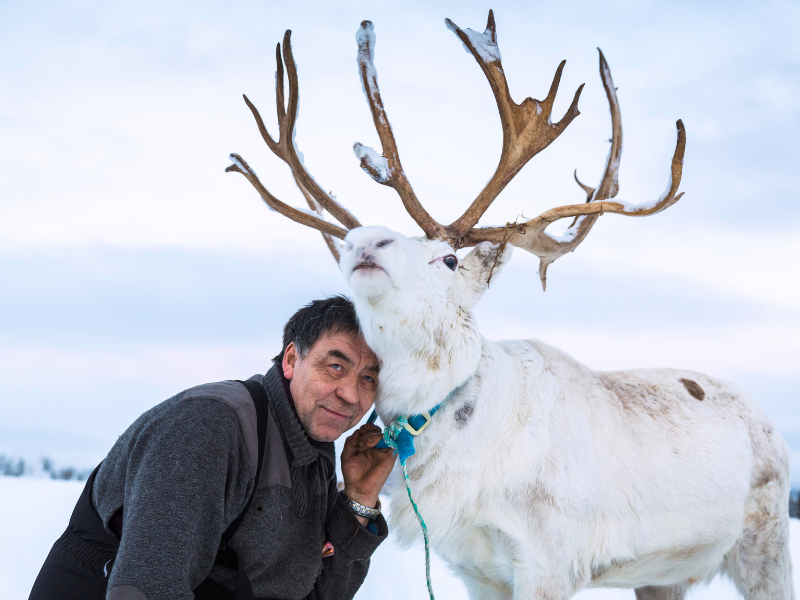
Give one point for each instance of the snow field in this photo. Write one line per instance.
(34, 513)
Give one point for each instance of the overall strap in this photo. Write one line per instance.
(225, 555)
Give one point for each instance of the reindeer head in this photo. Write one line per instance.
(410, 295)
(413, 297)
(386, 269)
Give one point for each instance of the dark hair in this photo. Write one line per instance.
(331, 315)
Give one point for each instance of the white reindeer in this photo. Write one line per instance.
(539, 477)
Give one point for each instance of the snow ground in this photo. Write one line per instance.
(34, 512)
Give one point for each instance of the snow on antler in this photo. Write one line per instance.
(375, 165)
(365, 38)
(485, 44)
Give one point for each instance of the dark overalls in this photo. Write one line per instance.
(81, 560)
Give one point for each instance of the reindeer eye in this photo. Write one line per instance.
(451, 262)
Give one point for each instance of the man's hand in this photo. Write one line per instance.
(364, 467)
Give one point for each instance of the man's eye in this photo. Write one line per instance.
(370, 381)
(337, 367)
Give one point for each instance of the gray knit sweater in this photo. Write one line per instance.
(184, 471)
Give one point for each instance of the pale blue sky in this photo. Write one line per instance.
(132, 266)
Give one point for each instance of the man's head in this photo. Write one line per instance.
(332, 373)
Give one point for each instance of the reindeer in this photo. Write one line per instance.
(539, 477)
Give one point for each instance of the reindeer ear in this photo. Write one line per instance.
(477, 270)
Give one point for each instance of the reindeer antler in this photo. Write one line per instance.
(531, 235)
(386, 168)
(527, 129)
(316, 197)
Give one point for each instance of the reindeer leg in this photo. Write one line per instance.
(553, 587)
(760, 564)
(480, 588)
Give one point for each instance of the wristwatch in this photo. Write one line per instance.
(361, 510)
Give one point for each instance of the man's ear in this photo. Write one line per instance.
(477, 269)
(289, 361)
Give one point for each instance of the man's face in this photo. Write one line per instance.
(334, 385)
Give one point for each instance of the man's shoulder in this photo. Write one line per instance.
(236, 397)
(275, 470)
(232, 393)
(213, 425)
(199, 403)
(219, 403)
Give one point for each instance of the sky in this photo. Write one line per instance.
(132, 266)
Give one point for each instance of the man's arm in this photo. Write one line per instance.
(182, 489)
(345, 571)
(365, 470)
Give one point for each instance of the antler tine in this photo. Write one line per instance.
(285, 148)
(279, 99)
(315, 206)
(527, 128)
(386, 168)
(588, 189)
(609, 184)
(240, 166)
(277, 149)
(532, 236)
(302, 175)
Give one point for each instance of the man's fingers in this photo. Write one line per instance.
(369, 440)
(352, 444)
(355, 438)
(361, 433)
(370, 428)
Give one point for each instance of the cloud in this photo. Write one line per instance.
(757, 265)
(117, 132)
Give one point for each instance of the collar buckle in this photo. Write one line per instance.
(416, 431)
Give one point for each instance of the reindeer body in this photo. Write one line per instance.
(538, 476)
(558, 478)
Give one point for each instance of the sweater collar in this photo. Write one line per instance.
(304, 451)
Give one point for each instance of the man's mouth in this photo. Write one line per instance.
(337, 415)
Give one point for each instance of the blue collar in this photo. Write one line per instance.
(404, 435)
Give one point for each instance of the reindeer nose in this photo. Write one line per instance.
(369, 238)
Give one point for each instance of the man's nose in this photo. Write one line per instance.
(348, 389)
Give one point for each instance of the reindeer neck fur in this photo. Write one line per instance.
(424, 356)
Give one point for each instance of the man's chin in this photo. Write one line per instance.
(325, 434)
(327, 428)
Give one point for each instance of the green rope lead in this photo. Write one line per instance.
(389, 435)
(424, 532)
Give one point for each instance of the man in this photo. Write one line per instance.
(156, 515)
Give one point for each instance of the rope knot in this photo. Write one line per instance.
(392, 431)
